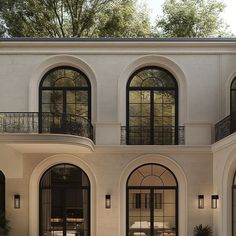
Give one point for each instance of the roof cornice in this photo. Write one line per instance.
(121, 46)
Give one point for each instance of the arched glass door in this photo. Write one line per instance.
(233, 106)
(64, 101)
(152, 202)
(64, 202)
(152, 107)
(2, 193)
(234, 206)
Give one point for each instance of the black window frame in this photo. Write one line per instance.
(231, 90)
(64, 89)
(2, 193)
(88, 188)
(233, 203)
(152, 89)
(152, 189)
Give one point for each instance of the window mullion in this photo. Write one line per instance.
(152, 212)
(152, 117)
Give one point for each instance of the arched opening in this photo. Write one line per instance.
(233, 106)
(65, 102)
(152, 201)
(234, 206)
(64, 202)
(2, 193)
(233, 96)
(152, 107)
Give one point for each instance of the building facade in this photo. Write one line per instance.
(118, 137)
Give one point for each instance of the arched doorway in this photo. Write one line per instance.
(2, 193)
(234, 206)
(64, 202)
(152, 202)
(152, 107)
(233, 106)
(65, 102)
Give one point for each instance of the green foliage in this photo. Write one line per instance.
(199, 230)
(192, 18)
(110, 18)
(4, 225)
(74, 18)
(128, 19)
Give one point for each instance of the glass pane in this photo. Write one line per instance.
(134, 109)
(139, 211)
(233, 85)
(2, 192)
(152, 175)
(56, 108)
(65, 209)
(233, 100)
(65, 77)
(139, 117)
(168, 96)
(168, 109)
(70, 109)
(168, 121)
(64, 82)
(139, 96)
(135, 96)
(70, 96)
(82, 97)
(139, 110)
(164, 212)
(82, 110)
(153, 77)
(52, 96)
(234, 211)
(158, 110)
(52, 101)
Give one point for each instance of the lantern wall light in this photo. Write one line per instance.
(214, 200)
(108, 201)
(201, 201)
(17, 201)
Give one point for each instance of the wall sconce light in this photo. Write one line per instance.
(214, 199)
(108, 201)
(200, 201)
(16, 201)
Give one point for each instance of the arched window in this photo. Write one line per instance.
(152, 201)
(234, 206)
(233, 97)
(64, 201)
(152, 107)
(64, 99)
(2, 193)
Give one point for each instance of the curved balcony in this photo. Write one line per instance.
(225, 127)
(46, 123)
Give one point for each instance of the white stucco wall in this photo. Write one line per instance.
(203, 72)
(110, 172)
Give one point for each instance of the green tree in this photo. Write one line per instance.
(74, 18)
(128, 19)
(192, 18)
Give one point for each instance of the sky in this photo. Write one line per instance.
(229, 15)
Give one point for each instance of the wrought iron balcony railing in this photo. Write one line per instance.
(159, 135)
(45, 122)
(225, 127)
